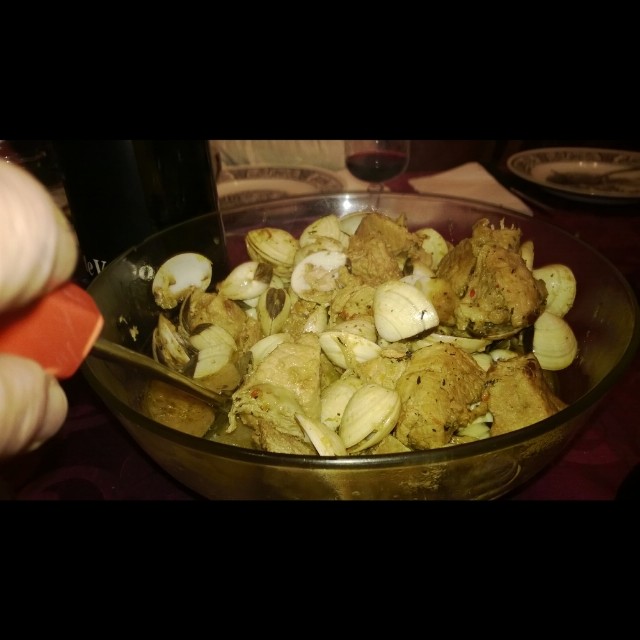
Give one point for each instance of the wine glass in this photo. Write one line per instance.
(376, 161)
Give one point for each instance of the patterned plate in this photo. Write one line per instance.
(242, 185)
(546, 168)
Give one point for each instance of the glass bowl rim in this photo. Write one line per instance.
(494, 444)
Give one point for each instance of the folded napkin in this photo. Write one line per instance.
(470, 180)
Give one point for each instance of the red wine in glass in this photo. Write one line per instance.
(377, 166)
(376, 161)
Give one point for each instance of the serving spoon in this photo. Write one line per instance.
(111, 351)
(62, 328)
(586, 178)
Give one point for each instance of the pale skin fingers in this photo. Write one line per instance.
(33, 405)
(38, 246)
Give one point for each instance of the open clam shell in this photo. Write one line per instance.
(325, 227)
(178, 276)
(345, 349)
(434, 244)
(315, 277)
(334, 399)
(169, 346)
(369, 416)
(401, 311)
(554, 343)
(561, 287)
(248, 280)
(273, 246)
(326, 441)
(274, 306)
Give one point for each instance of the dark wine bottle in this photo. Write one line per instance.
(122, 191)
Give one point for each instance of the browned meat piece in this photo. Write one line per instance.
(378, 249)
(393, 233)
(269, 410)
(294, 366)
(296, 324)
(505, 237)
(371, 261)
(385, 369)
(286, 382)
(441, 294)
(518, 394)
(498, 294)
(389, 444)
(268, 437)
(351, 302)
(213, 308)
(457, 266)
(226, 379)
(438, 388)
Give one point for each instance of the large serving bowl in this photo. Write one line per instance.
(604, 318)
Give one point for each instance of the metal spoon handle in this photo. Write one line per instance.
(577, 178)
(107, 350)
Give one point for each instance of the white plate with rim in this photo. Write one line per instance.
(244, 184)
(539, 166)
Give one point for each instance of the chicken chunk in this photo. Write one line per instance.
(497, 293)
(441, 391)
(286, 382)
(518, 394)
(379, 248)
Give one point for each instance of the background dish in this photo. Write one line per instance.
(537, 165)
(242, 185)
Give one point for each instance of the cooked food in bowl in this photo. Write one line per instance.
(460, 462)
(363, 336)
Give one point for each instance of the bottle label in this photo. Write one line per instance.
(93, 266)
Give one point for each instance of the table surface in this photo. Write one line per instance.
(94, 458)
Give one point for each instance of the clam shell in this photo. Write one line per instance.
(554, 343)
(248, 280)
(325, 227)
(370, 415)
(261, 349)
(326, 441)
(321, 244)
(212, 358)
(345, 350)
(334, 399)
(360, 325)
(401, 311)
(479, 429)
(561, 287)
(317, 320)
(434, 244)
(502, 354)
(470, 345)
(274, 306)
(350, 223)
(273, 246)
(169, 346)
(527, 253)
(178, 276)
(210, 335)
(419, 272)
(315, 277)
(484, 360)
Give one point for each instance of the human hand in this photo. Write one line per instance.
(38, 252)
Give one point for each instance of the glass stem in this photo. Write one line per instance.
(375, 189)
